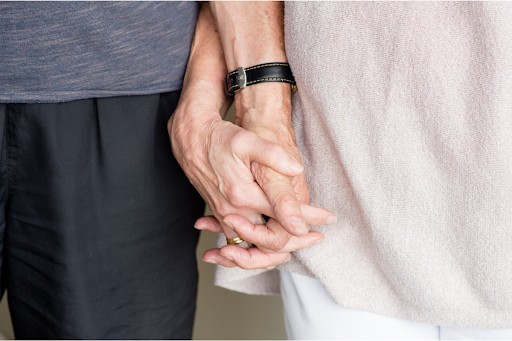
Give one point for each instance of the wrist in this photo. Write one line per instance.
(262, 73)
(258, 52)
(255, 55)
(190, 127)
(205, 95)
(206, 68)
(264, 102)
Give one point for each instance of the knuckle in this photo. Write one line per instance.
(223, 209)
(304, 197)
(257, 171)
(269, 175)
(234, 194)
(301, 189)
(245, 264)
(273, 151)
(238, 197)
(266, 176)
(276, 246)
(277, 243)
(287, 203)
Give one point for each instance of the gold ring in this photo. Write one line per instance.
(234, 241)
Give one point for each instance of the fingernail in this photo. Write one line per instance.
(270, 267)
(226, 256)
(227, 222)
(331, 220)
(196, 227)
(296, 167)
(210, 261)
(319, 241)
(298, 224)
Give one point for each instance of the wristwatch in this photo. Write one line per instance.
(269, 72)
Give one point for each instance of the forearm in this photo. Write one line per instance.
(216, 155)
(206, 68)
(251, 32)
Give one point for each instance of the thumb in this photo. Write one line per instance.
(208, 223)
(271, 155)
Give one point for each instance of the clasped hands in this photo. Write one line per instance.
(246, 170)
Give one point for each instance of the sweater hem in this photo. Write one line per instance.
(483, 318)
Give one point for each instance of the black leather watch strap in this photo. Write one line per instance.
(269, 72)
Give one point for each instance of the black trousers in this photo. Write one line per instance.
(96, 220)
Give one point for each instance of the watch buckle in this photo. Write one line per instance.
(242, 78)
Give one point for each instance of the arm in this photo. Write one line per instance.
(217, 155)
(252, 33)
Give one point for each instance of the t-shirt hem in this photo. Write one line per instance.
(68, 96)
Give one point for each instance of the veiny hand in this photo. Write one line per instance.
(217, 155)
(265, 109)
(286, 194)
(261, 257)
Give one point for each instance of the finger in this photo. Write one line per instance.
(281, 195)
(269, 237)
(315, 216)
(230, 233)
(272, 237)
(299, 243)
(272, 155)
(253, 258)
(241, 197)
(300, 187)
(208, 223)
(213, 256)
(238, 194)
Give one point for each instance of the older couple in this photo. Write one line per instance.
(400, 126)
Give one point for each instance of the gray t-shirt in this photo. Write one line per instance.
(63, 51)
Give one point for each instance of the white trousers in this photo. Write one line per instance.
(310, 313)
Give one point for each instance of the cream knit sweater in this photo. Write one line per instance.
(404, 121)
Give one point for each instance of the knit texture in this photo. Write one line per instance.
(404, 122)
